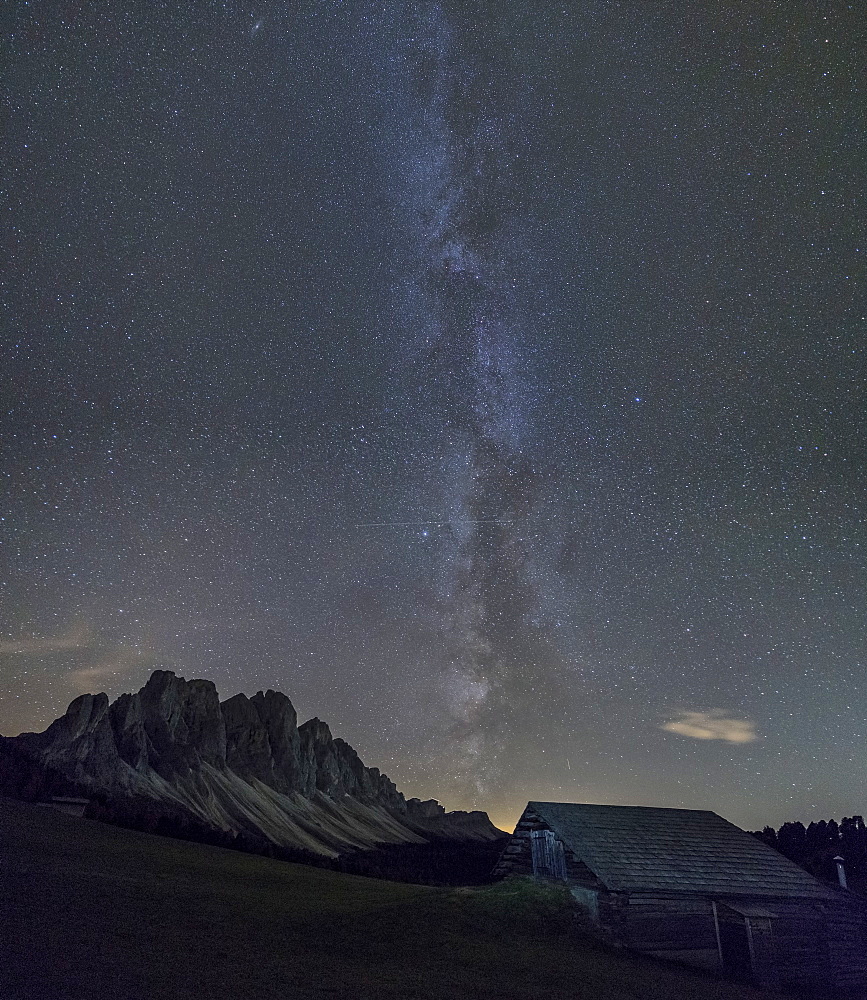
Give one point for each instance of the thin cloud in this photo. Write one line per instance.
(714, 725)
(80, 637)
(81, 656)
(113, 663)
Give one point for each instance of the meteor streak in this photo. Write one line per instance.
(438, 524)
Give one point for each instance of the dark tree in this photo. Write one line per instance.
(815, 847)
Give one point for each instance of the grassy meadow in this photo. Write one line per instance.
(89, 911)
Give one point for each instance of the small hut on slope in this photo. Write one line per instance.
(687, 885)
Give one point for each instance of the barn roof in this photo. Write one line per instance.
(636, 848)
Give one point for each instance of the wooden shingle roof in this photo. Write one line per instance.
(639, 848)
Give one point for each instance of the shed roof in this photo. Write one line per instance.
(640, 848)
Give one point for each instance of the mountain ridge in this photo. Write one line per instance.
(243, 768)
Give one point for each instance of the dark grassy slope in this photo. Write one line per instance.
(93, 911)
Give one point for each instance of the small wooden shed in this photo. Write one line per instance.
(68, 804)
(686, 885)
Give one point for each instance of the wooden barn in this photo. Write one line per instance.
(686, 885)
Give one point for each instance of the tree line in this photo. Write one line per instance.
(814, 847)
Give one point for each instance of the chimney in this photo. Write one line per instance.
(841, 872)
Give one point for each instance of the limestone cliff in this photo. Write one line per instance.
(243, 767)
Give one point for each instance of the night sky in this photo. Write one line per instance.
(488, 377)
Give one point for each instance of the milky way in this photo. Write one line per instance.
(470, 347)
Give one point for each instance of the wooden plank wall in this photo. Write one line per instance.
(676, 927)
(847, 948)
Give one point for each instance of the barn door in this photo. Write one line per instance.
(734, 945)
(549, 859)
(746, 943)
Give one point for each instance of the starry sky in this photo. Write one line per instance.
(487, 377)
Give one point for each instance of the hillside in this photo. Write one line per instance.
(93, 911)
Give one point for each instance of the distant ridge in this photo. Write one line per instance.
(172, 757)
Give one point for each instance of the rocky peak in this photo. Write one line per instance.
(183, 722)
(83, 716)
(83, 734)
(130, 736)
(280, 720)
(427, 809)
(316, 732)
(213, 760)
(318, 760)
(275, 710)
(248, 747)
